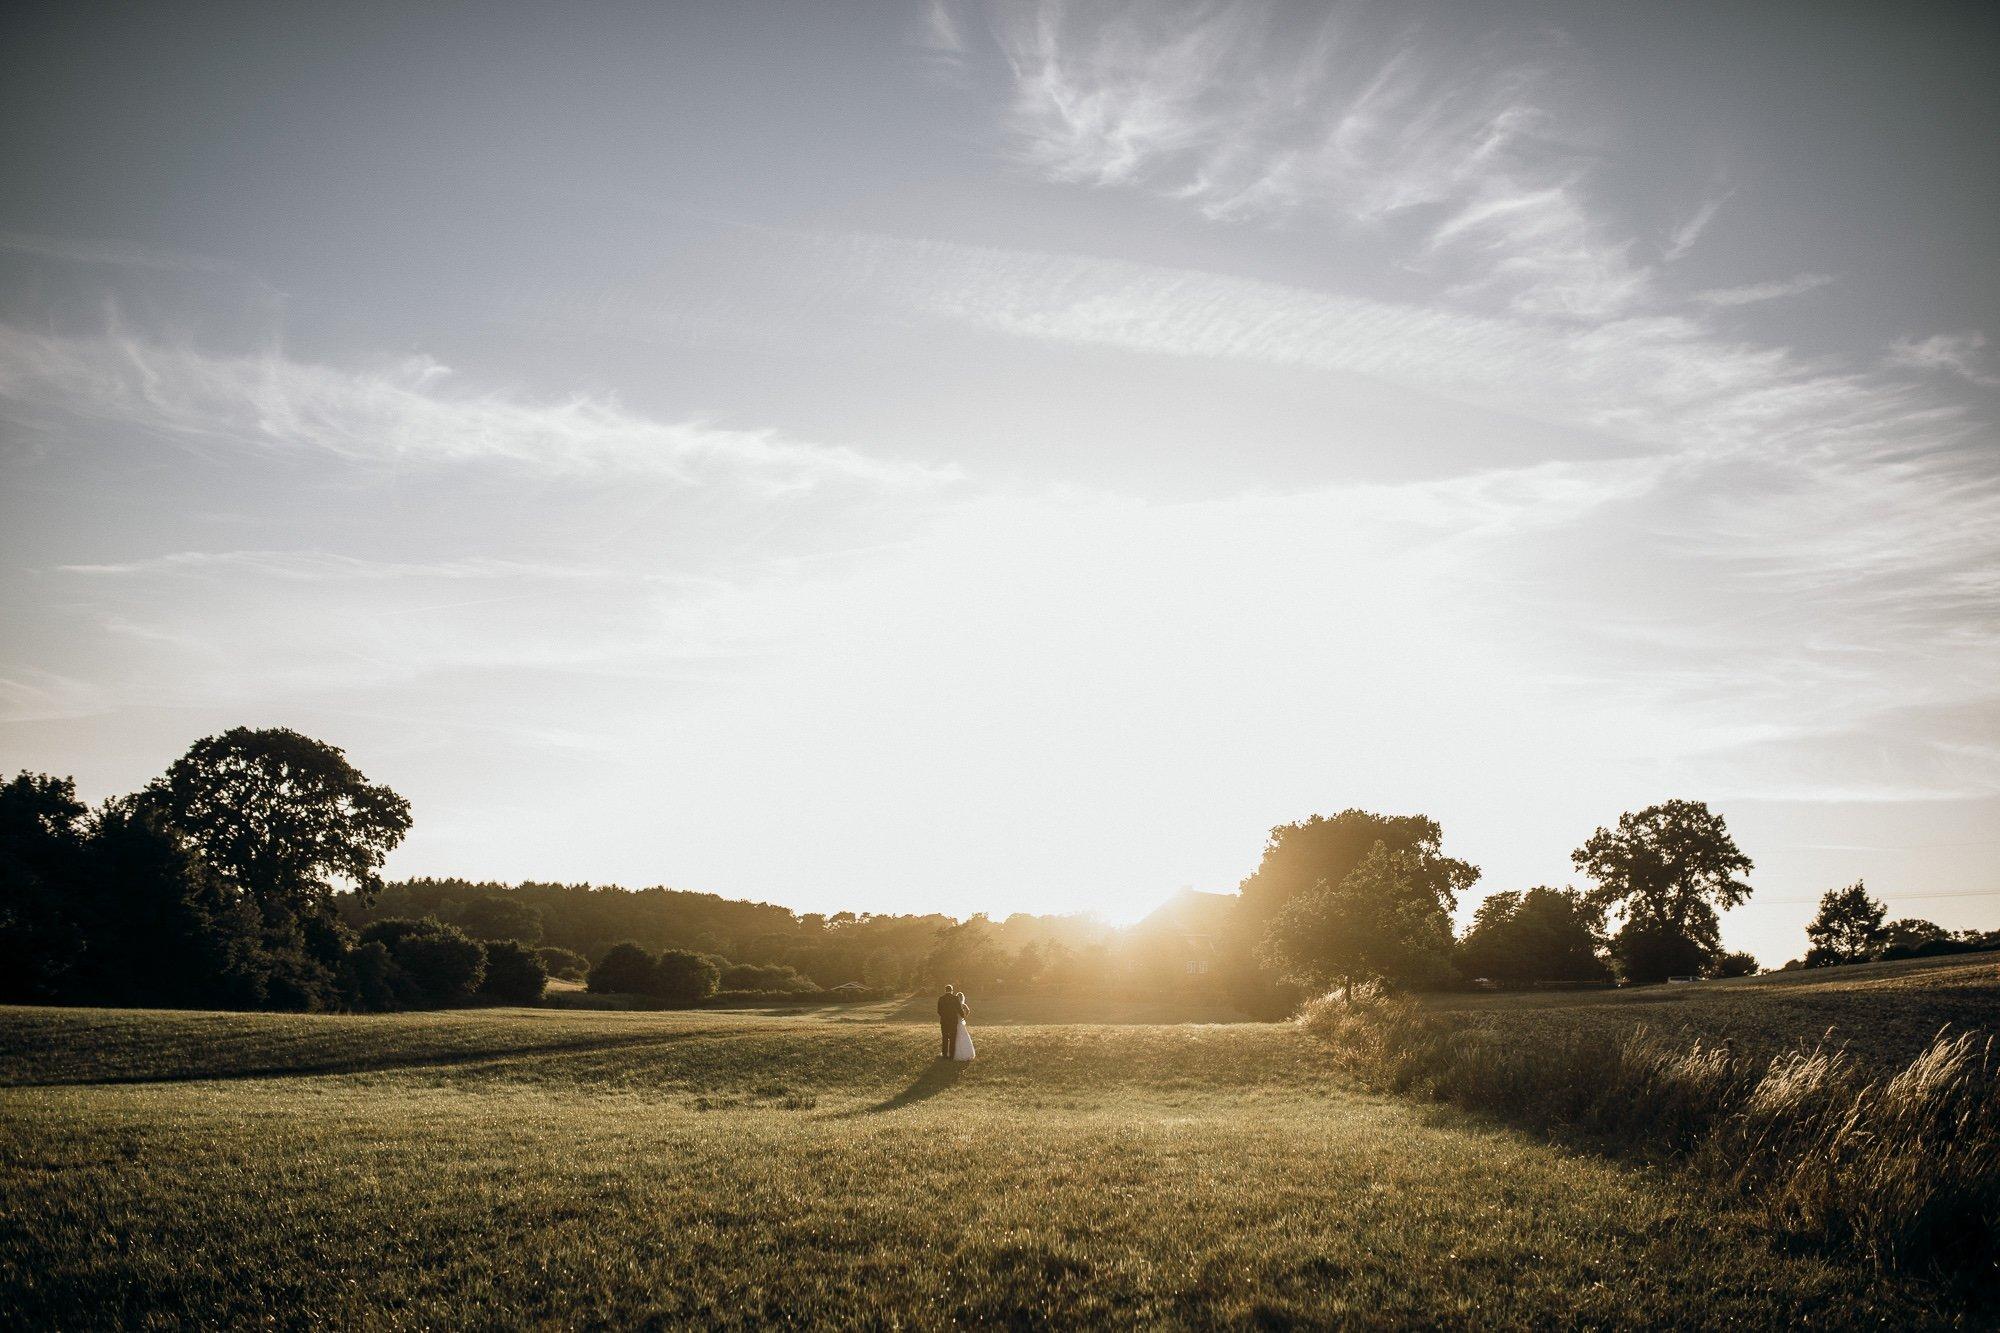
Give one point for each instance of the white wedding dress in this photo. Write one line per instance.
(962, 1048)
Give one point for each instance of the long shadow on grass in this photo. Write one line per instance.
(940, 1075)
(415, 1060)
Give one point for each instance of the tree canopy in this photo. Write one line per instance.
(1388, 918)
(280, 816)
(1847, 927)
(1542, 934)
(1669, 866)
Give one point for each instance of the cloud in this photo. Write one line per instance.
(406, 413)
(326, 566)
(1663, 381)
(1378, 124)
(1689, 232)
(1752, 294)
(1961, 354)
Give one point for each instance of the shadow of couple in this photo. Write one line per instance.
(938, 1076)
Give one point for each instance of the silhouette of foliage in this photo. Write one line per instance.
(41, 853)
(441, 962)
(1389, 918)
(514, 973)
(1846, 927)
(625, 969)
(1542, 934)
(565, 963)
(681, 977)
(279, 816)
(1667, 868)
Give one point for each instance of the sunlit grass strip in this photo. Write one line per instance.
(1904, 1169)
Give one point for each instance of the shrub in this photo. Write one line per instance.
(1648, 951)
(681, 977)
(1905, 1169)
(444, 965)
(769, 977)
(624, 969)
(513, 973)
(565, 963)
(1737, 964)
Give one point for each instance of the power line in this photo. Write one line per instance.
(1889, 897)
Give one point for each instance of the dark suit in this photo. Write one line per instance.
(952, 1009)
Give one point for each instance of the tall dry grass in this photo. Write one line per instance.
(1903, 1168)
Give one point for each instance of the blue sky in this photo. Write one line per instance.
(961, 457)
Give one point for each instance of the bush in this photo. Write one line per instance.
(1737, 964)
(1648, 952)
(513, 973)
(1905, 1170)
(565, 963)
(680, 977)
(442, 963)
(765, 977)
(625, 969)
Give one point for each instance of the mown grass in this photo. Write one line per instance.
(519, 1168)
(1853, 1132)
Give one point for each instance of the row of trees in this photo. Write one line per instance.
(214, 887)
(1365, 896)
(1852, 927)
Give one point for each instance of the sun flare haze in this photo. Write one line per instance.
(1006, 458)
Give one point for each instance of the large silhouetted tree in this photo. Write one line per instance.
(41, 865)
(281, 816)
(1847, 927)
(1667, 869)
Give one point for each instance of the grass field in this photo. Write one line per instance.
(511, 1167)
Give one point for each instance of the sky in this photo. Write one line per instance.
(960, 457)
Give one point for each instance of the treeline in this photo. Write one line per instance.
(1853, 927)
(756, 946)
(213, 888)
(247, 876)
(767, 947)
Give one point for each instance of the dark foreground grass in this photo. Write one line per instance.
(519, 1168)
(1853, 1133)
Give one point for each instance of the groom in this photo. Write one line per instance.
(952, 1010)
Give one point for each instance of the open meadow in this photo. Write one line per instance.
(509, 1167)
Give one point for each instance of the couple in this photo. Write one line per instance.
(952, 1013)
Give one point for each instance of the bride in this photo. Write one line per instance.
(953, 1010)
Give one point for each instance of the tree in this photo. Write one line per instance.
(1667, 869)
(1389, 918)
(279, 816)
(41, 852)
(1649, 951)
(1543, 934)
(1736, 964)
(625, 969)
(442, 962)
(681, 977)
(494, 917)
(564, 963)
(514, 973)
(1321, 850)
(1913, 937)
(1847, 927)
(161, 928)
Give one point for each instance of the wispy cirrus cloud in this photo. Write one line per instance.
(1961, 354)
(1758, 292)
(1363, 117)
(410, 412)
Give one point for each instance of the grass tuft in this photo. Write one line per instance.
(1902, 1167)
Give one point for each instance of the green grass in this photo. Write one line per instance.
(535, 1167)
(1858, 1107)
(1882, 1014)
